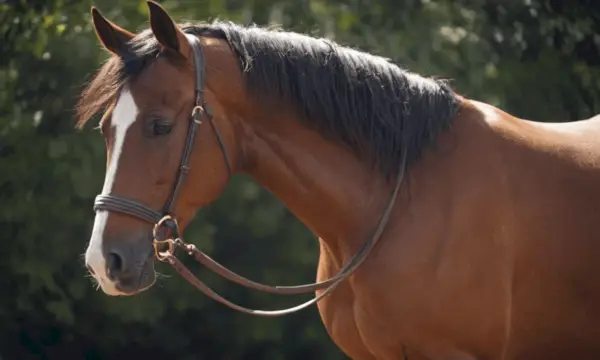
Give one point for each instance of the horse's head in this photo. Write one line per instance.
(148, 88)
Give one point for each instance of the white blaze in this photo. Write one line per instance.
(123, 116)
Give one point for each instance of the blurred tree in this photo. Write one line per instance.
(534, 58)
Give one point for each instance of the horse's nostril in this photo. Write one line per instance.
(114, 265)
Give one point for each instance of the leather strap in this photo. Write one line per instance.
(329, 285)
(126, 206)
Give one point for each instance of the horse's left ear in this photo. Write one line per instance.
(168, 34)
(113, 37)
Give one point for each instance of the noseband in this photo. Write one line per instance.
(165, 220)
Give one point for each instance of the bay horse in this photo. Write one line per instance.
(481, 229)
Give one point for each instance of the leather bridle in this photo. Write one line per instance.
(165, 220)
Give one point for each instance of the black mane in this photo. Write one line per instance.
(365, 102)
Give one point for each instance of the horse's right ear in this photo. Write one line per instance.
(113, 37)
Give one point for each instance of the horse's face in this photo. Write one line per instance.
(145, 130)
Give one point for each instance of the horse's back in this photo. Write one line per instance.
(538, 191)
(555, 192)
(588, 128)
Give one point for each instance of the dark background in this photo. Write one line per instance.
(537, 59)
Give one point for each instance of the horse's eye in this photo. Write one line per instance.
(161, 127)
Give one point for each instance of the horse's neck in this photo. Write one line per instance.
(334, 194)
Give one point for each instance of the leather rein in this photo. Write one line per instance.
(164, 220)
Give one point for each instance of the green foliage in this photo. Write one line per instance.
(531, 58)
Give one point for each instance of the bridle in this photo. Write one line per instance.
(165, 220)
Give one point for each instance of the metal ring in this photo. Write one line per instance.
(170, 250)
(162, 221)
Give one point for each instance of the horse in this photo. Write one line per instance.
(481, 228)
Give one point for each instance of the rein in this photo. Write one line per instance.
(165, 220)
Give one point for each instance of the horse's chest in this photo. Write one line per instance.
(355, 331)
(338, 317)
(369, 319)
(345, 316)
